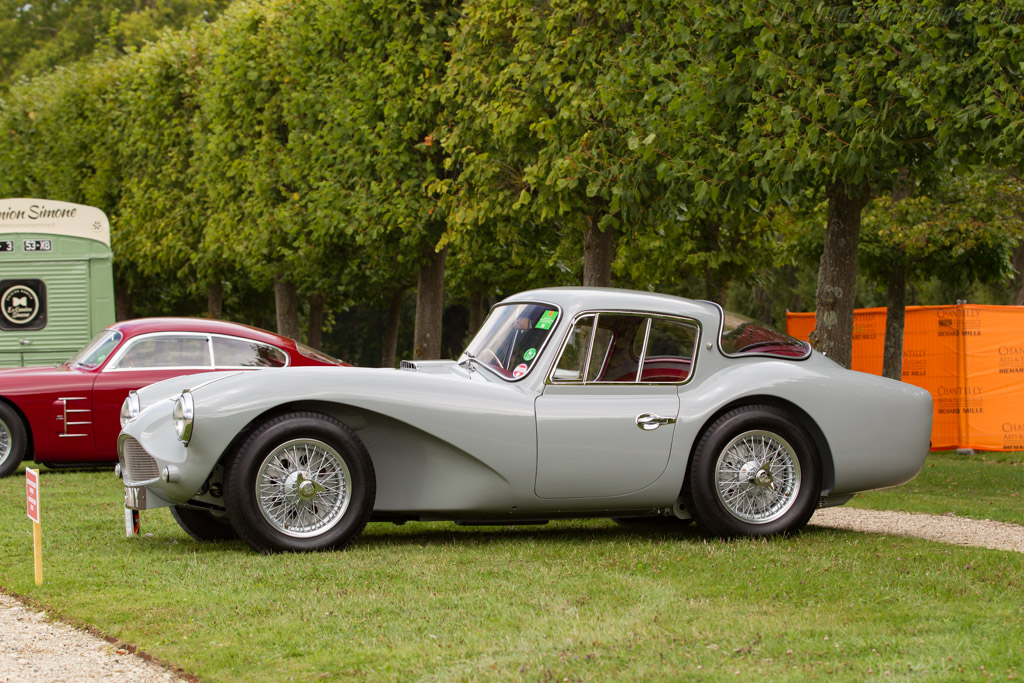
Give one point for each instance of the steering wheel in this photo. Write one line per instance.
(497, 361)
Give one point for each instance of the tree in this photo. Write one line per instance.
(829, 98)
(965, 231)
(548, 125)
(37, 37)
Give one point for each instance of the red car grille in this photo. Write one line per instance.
(139, 465)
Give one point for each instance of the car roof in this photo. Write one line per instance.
(139, 326)
(574, 299)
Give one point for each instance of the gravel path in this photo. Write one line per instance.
(981, 533)
(35, 649)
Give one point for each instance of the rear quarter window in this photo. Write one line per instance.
(742, 336)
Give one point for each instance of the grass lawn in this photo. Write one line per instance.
(982, 486)
(567, 601)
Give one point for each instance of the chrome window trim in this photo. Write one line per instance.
(692, 322)
(110, 366)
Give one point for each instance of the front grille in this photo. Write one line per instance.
(139, 466)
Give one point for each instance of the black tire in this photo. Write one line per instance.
(755, 472)
(202, 525)
(13, 440)
(318, 485)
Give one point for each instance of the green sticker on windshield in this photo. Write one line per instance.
(547, 320)
(530, 354)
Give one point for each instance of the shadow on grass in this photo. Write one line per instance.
(447, 534)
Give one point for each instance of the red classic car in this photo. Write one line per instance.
(70, 414)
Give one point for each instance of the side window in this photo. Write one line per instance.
(570, 366)
(166, 352)
(670, 349)
(618, 345)
(231, 352)
(624, 333)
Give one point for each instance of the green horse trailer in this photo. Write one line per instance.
(56, 280)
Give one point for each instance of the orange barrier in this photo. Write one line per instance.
(971, 359)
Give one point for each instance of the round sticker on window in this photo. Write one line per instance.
(530, 354)
(519, 370)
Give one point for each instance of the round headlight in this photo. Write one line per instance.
(183, 415)
(131, 408)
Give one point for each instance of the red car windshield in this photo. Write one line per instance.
(97, 351)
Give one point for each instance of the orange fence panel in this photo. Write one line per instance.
(969, 357)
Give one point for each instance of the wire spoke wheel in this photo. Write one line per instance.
(5, 441)
(303, 487)
(757, 477)
(13, 440)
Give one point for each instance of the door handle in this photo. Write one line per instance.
(649, 421)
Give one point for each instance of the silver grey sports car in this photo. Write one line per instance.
(569, 402)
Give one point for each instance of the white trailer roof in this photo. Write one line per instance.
(53, 217)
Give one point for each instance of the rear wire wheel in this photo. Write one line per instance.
(755, 472)
(302, 481)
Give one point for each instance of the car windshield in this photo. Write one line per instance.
(512, 338)
(310, 352)
(97, 351)
(742, 336)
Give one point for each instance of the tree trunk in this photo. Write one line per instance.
(389, 346)
(896, 308)
(1018, 264)
(429, 307)
(764, 307)
(286, 302)
(123, 307)
(896, 294)
(476, 312)
(598, 254)
(215, 300)
(315, 325)
(714, 284)
(837, 275)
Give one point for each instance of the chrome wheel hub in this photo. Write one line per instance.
(303, 488)
(757, 477)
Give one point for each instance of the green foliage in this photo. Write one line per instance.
(965, 231)
(339, 144)
(36, 37)
(549, 127)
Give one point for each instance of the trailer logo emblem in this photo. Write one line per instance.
(22, 304)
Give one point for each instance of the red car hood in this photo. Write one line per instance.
(32, 380)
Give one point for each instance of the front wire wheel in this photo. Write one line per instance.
(304, 488)
(301, 481)
(755, 472)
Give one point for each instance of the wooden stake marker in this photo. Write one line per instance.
(32, 489)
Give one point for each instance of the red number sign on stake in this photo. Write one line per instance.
(32, 489)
